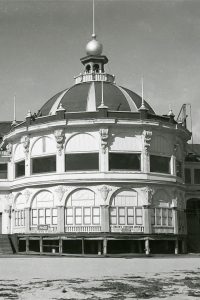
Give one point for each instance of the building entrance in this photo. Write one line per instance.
(193, 225)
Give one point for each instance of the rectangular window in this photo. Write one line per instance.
(81, 161)
(138, 213)
(20, 168)
(3, 171)
(164, 216)
(69, 215)
(96, 215)
(48, 216)
(44, 164)
(188, 176)
(158, 216)
(179, 169)
(78, 215)
(169, 217)
(113, 215)
(130, 216)
(41, 216)
(34, 216)
(196, 176)
(121, 215)
(54, 216)
(160, 164)
(153, 216)
(121, 161)
(87, 216)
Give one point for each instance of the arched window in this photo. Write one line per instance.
(81, 209)
(19, 210)
(43, 211)
(88, 68)
(43, 156)
(96, 68)
(82, 153)
(124, 209)
(161, 213)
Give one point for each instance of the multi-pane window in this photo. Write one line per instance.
(82, 216)
(19, 218)
(161, 216)
(159, 164)
(126, 216)
(124, 161)
(44, 216)
(3, 171)
(20, 168)
(81, 161)
(43, 211)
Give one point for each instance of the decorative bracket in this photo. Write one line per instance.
(147, 140)
(60, 137)
(104, 139)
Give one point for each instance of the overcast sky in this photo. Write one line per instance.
(41, 42)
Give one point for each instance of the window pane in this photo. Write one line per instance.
(69, 216)
(3, 171)
(48, 220)
(153, 216)
(20, 168)
(78, 220)
(54, 212)
(197, 176)
(82, 161)
(113, 220)
(121, 161)
(48, 212)
(44, 164)
(54, 220)
(158, 216)
(96, 211)
(187, 176)
(96, 220)
(159, 164)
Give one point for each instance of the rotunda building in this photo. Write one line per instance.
(96, 171)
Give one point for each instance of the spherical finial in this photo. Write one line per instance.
(94, 47)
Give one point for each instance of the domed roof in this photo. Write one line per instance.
(86, 96)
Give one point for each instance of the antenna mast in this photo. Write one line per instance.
(93, 21)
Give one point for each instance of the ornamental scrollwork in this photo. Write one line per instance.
(147, 139)
(25, 140)
(149, 192)
(104, 139)
(60, 138)
(9, 148)
(104, 190)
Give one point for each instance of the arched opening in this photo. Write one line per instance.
(96, 68)
(88, 68)
(193, 225)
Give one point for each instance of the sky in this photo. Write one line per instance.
(42, 41)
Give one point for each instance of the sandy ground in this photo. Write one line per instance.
(60, 278)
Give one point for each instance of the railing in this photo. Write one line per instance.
(127, 228)
(94, 77)
(43, 229)
(82, 228)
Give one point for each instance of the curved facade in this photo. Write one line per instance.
(96, 171)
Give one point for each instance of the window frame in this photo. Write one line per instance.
(124, 169)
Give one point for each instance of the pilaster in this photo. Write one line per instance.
(105, 226)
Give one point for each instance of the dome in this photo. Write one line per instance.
(94, 47)
(86, 96)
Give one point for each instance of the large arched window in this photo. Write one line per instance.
(82, 153)
(81, 209)
(124, 209)
(161, 213)
(19, 211)
(43, 157)
(43, 211)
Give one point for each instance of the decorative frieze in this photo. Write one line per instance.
(104, 139)
(60, 138)
(60, 190)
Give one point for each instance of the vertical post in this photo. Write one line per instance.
(41, 245)
(61, 219)
(99, 247)
(184, 246)
(176, 247)
(175, 218)
(27, 245)
(60, 246)
(147, 248)
(105, 246)
(105, 226)
(27, 219)
(83, 248)
(147, 219)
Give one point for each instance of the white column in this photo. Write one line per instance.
(60, 162)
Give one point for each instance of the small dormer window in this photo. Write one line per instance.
(96, 68)
(88, 68)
